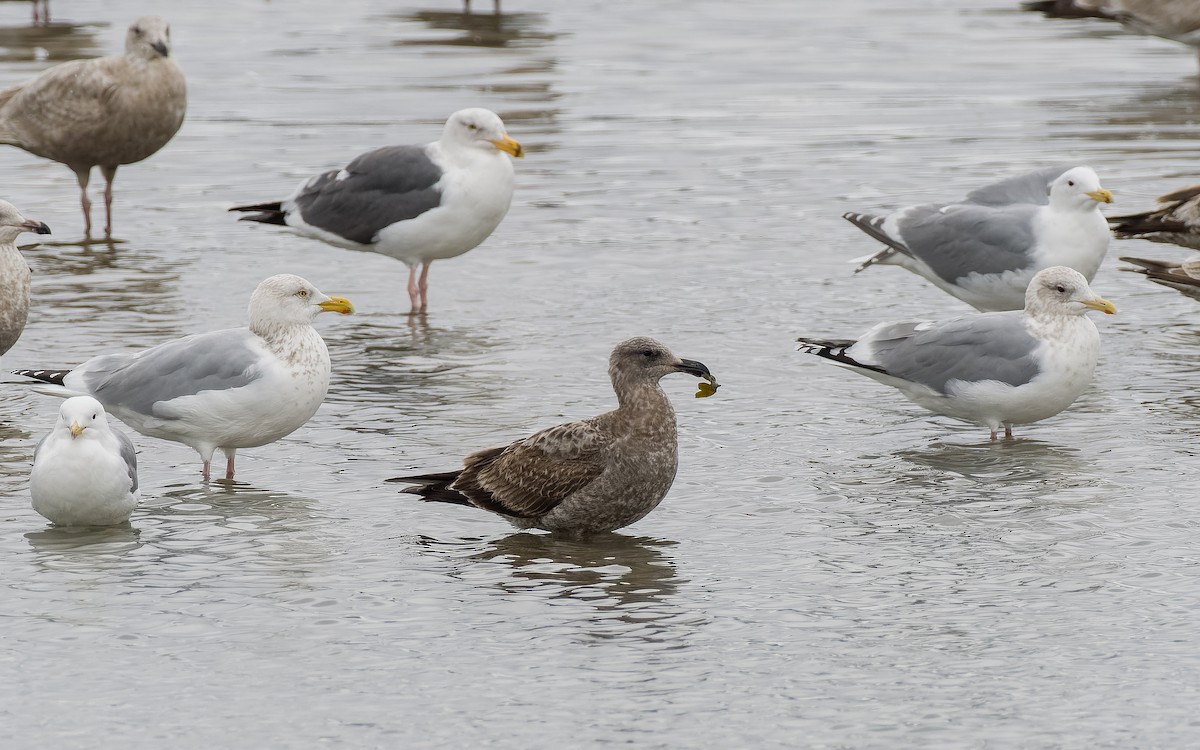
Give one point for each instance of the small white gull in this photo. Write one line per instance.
(985, 249)
(230, 389)
(587, 477)
(416, 204)
(84, 470)
(995, 369)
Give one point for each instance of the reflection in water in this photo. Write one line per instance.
(71, 547)
(626, 582)
(481, 30)
(55, 42)
(1157, 112)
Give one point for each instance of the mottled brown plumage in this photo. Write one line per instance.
(1176, 220)
(103, 112)
(586, 477)
(1182, 277)
(14, 274)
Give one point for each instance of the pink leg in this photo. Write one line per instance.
(205, 470)
(84, 201)
(229, 455)
(424, 284)
(109, 174)
(414, 294)
(992, 436)
(1008, 432)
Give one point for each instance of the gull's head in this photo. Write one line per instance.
(642, 359)
(149, 38)
(1078, 188)
(287, 300)
(482, 129)
(13, 223)
(1059, 290)
(80, 414)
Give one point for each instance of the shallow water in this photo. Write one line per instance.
(833, 568)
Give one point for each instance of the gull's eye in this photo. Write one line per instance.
(1060, 289)
(302, 293)
(137, 30)
(648, 353)
(1071, 183)
(472, 126)
(95, 415)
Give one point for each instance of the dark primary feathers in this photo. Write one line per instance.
(46, 376)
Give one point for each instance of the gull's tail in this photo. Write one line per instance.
(834, 350)
(434, 487)
(873, 227)
(54, 377)
(268, 213)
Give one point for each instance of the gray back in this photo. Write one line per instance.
(1031, 187)
(968, 238)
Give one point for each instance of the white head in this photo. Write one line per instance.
(287, 300)
(1059, 290)
(149, 38)
(83, 417)
(13, 223)
(1079, 189)
(479, 128)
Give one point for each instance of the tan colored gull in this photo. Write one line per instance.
(14, 274)
(587, 477)
(1183, 277)
(416, 204)
(1175, 220)
(84, 470)
(230, 389)
(103, 112)
(986, 248)
(996, 369)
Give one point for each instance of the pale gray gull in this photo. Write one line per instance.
(1175, 220)
(985, 249)
(994, 369)
(230, 389)
(103, 112)
(1182, 276)
(416, 204)
(14, 274)
(84, 470)
(587, 477)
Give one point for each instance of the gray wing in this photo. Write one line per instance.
(374, 191)
(961, 239)
(129, 454)
(209, 361)
(973, 348)
(1031, 187)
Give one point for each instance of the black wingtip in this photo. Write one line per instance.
(54, 377)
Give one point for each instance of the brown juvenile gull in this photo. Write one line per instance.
(994, 369)
(1183, 277)
(416, 204)
(103, 112)
(587, 477)
(230, 389)
(14, 274)
(1177, 20)
(986, 248)
(1176, 220)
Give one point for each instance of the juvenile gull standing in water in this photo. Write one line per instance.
(103, 112)
(1183, 277)
(995, 369)
(587, 477)
(1175, 220)
(84, 470)
(416, 204)
(14, 274)
(985, 249)
(230, 389)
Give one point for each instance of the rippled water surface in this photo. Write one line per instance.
(833, 568)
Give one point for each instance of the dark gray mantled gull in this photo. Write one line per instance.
(84, 470)
(103, 112)
(985, 249)
(588, 477)
(14, 274)
(1182, 276)
(1175, 220)
(230, 389)
(1177, 20)
(416, 204)
(994, 369)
